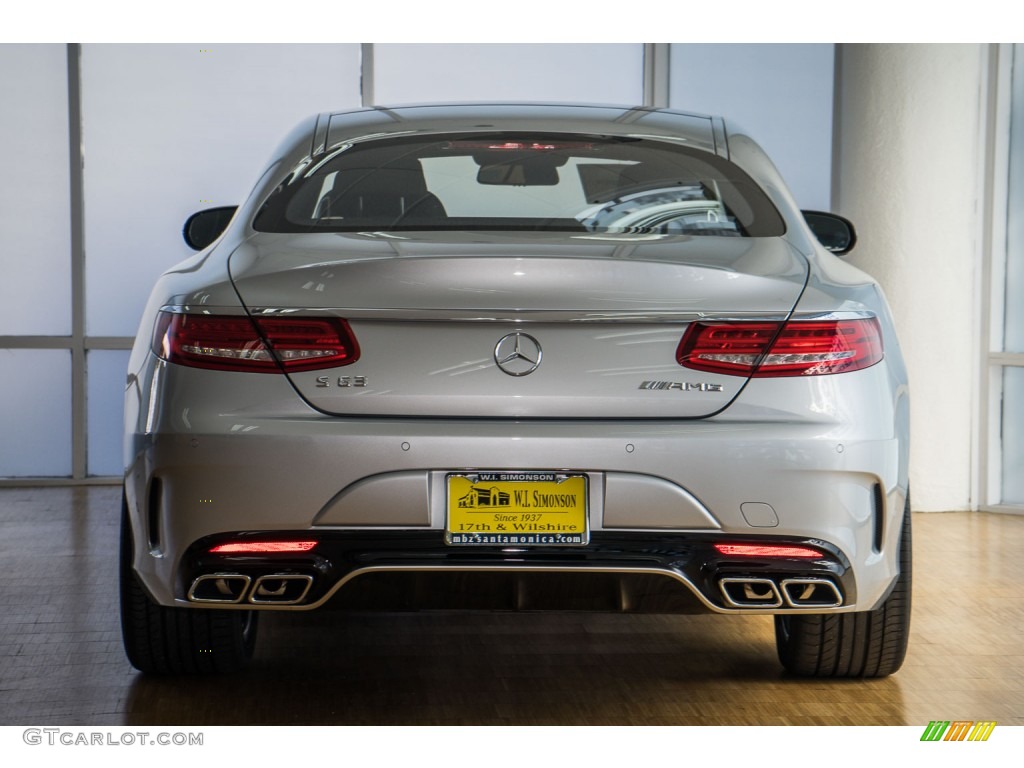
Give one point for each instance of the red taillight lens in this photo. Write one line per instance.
(232, 343)
(765, 550)
(261, 547)
(801, 348)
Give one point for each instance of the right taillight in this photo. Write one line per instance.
(233, 343)
(799, 348)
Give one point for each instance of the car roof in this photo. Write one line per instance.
(699, 131)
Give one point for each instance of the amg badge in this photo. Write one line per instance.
(682, 386)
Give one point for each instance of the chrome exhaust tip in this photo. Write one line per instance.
(750, 593)
(219, 588)
(811, 593)
(281, 589)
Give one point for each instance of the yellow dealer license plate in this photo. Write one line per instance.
(517, 509)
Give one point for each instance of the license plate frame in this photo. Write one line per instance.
(526, 509)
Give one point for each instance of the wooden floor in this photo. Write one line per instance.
(61, 660)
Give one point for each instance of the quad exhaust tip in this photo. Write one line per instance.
(811, 593)
(794, 593)
(281, 589)
(219, 588)
(233, 588)
(750, 593)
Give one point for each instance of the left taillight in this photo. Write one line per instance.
(259, 345)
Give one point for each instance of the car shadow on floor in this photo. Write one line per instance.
(336, 668)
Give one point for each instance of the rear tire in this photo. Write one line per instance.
(862, 644)
(178, 641)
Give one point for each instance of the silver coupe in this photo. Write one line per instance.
(517, 357)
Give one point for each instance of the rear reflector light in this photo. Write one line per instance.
(261, 547)
(765, 550)
(800, 348)
(233, 343)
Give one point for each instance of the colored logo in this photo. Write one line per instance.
(958, 730)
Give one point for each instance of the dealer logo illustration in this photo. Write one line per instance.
(484, 497)
(958, 730)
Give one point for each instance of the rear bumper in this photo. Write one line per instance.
(373, 489)
(634, 572)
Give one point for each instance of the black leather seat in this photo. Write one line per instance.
(377, 196)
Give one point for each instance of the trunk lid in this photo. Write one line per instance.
(448, 324)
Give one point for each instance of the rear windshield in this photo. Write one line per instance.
(541, 182)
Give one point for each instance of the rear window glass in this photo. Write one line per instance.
(541, 182)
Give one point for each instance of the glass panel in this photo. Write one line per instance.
(1013, 339)
(600, 73)
(1013, 436)
(35, 412)
(171, 129)
(782, 94)
(35, 204)
(513, 181)
(106, 376)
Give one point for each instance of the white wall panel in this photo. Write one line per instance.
(105, 371)
(781, 94)
(35, 413)
(35, 219)
(598, 73)
(908, 176)
(171, 129)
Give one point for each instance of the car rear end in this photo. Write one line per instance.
(647, 391)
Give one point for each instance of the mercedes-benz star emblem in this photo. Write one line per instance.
(517, 354)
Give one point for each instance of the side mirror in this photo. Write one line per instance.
(834, 232)
(204, 227)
